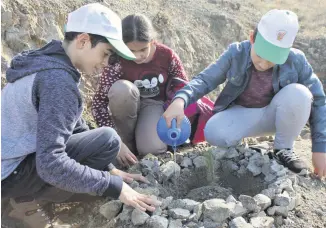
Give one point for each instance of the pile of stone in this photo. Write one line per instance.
(266, 209)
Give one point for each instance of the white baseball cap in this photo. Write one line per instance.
(277, 30)
(97, 19)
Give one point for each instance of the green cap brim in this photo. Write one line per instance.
(121, 49)
(269, 51)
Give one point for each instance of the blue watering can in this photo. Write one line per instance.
(174, 136)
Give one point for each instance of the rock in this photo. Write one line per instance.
(179, 213)
(157, 222)
(166, 202)
(230, 165)
(138, 217)
(232, 153)
(281, 185)
(257, 214)
(210, 224)
(198, 210)
(189, 204)
(254, 169)
(279, 221)
(237, 209)
(249, 203)
(262, 222)
(170, 170)
(146, 163)
(111, 209)
(270, 192)
(186, 162)
(148, 191)
(278, 210)
(275, 167)
(158, 211)
(219, 153)
(270, 177)
(239, 222)
(192, 225)
(244, 162)
(282, 199)
(231, 199)
(242, 170)
(200, 162)
(125, 215)
(134, 184)
(175, 223)
(263, 201)
(216, 210)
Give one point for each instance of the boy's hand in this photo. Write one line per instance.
(319, 162)
(175, 110)
(128, 177)
(126, 157)
(132, 198)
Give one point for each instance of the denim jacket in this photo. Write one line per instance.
(234, 66)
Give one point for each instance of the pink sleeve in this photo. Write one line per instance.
(100, 109)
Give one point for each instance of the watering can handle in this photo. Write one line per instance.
(174, 123)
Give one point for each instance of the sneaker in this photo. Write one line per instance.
(33, 215)
(289, 159)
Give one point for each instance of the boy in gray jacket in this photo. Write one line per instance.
(48, 152)
(270, 89)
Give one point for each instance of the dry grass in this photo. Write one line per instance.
(311, 13)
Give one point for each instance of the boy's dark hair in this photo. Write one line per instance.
(255, 33)
(95, 39)
(137, 27)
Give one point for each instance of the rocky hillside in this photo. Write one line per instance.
(197, 30)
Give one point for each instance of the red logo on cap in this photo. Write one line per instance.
(280, 35)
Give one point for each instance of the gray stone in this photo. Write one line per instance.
(263, 201)
(249, 203)
(216, 210)
(275, 167)
(279, 221)
(189, 204)
(237, 209)
(148, 191)
(219, 153)
(145, 163)
(200, 162)
(257, 214)
(254, 169)
(281, 185)
(242, 170)
(270, 177)
(125, 215)
(179, 213)
(134, 184)
(170, 170)
(230, 165)
(262, 222)
(278, 210)
(166, 202)
(175, 223)
(198, 210)
(157, 222)
(158, 211)
(282, 199)
(239, 222)
(232, 153)
(138, 217)
(186, 162)
(257, 159)
(269, 192)
(230, 199)
(244, 162)
(111, 209)
(192, 225)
